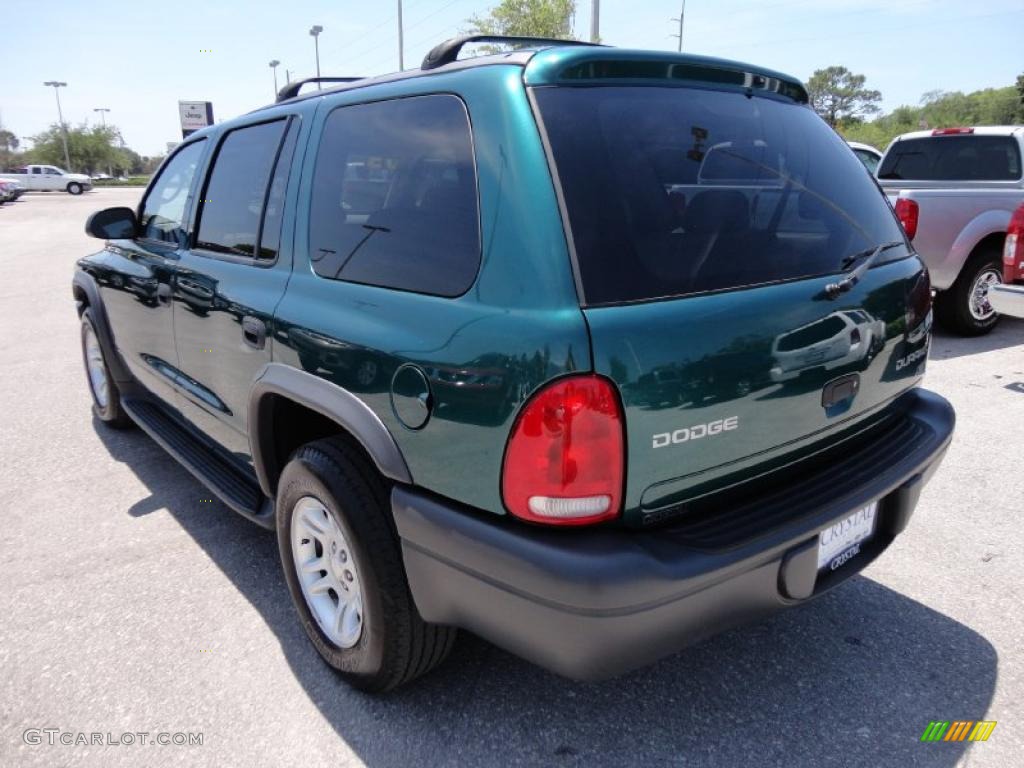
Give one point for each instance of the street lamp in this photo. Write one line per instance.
(273, 67)
(315, 31)
(63, 128)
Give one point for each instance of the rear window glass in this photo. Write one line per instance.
(395, 197)
(673, 191)
(953, 158)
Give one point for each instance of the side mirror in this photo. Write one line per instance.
(113, 224)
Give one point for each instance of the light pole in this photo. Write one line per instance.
(681, 19)
(401, 41)
(595, 21)
(315, 31)
(103, 118)
(63, 128)
(273, 67)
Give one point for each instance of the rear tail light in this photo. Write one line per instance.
(565, 460)
(1013, 250)
(919, 308)
(907, 211)
(952, 131)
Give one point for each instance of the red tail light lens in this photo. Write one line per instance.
(565, 460)
(1013, 250)
(907, 212)
(952, 131)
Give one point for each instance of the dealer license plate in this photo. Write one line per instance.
(841, 542)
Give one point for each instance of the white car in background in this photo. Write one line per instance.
(867, 154)
(838, 339)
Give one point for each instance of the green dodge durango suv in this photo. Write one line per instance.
(592, 352)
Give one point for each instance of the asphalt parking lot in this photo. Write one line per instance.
(130, 604)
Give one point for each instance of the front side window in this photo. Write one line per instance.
(163, 211)
(232, 202)
(675, 191)
(395, 197)
(953, 158)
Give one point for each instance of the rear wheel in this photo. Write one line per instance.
(106, 397)
(965, 308)
(343, 565)
(75, 188)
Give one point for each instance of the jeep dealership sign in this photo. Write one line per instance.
(194, 115)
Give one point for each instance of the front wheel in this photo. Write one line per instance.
(75, 188)
(965, 308)
(343, 565)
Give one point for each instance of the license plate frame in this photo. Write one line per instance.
(841, 541)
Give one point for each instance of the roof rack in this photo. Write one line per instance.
(448, 51)
(291, 90)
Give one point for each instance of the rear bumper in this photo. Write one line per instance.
(1008, 300)
(592, 604)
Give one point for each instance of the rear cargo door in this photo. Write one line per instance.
(707, 228)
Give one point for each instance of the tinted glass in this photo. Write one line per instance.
(953, 158)
(672, 191)
(394, 197)
(270, 237)
(232, 203)
(163, 212)
(869, 159)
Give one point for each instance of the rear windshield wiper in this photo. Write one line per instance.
(835, 289)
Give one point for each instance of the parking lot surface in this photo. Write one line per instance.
(131, 603)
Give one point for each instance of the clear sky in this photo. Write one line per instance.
(139, 57)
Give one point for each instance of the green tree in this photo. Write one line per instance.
(527, 18)
(839, 96)
(90, 148)
(8, 149)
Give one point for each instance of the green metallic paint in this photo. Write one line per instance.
(567, 66)
(686, 362)
(484, 352)
(678, 363)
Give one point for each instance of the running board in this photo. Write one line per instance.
(217, 473)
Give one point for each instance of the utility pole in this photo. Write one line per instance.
(63, 128)
(401, 40)
(103, 118)
(595, 21)
(315, 32)
(273, 67)
(681, 19)
(287, 77)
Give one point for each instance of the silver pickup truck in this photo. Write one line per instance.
(954, 190)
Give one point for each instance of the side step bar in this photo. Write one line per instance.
(217, 473)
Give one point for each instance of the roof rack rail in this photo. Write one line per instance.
(291, 90)
(448, 51)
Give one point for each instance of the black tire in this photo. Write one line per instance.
(74, 188)
(395, 644)
(953, 306)
(111, 414)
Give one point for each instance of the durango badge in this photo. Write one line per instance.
(696, 432)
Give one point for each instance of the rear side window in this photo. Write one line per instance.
(674, 191)
(395, 197)
(953, 158)
(232, 202)
(163, 211)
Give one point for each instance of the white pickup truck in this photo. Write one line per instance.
(954, 190)
(49, 178)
